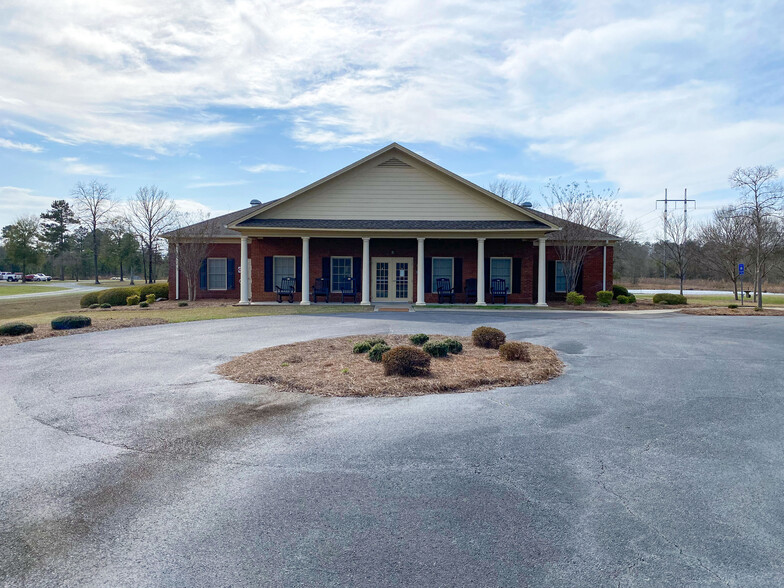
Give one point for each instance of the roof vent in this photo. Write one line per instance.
(255, 202)
(527, 205)
(394, 162)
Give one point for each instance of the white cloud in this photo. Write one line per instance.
(75, 167)
(16, 202)
(216, 184)
(270, 167)
(8, 144)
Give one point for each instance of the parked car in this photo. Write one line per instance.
(9, 277)
(38, 278)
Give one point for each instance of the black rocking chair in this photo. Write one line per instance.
(286, 288)
(321, 288)
(445, 290)
(498, 289)
(470, 289)
(348, 288)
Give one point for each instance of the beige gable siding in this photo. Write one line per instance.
(393, 192)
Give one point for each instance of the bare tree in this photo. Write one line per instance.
(150, 213)
(93, 204)
(191, 243)
(761, 201)
(514, 192)
(584, 211)
(676, 241)
(725, 240)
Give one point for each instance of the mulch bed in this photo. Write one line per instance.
(46, 331)
(740, 311)
(327, 367)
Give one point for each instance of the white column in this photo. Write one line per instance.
(305, 271)
(176, 271)
(365, 271)
(604, 267)
(480, 271)
(542, 280)
(420, 297)
(244, 269)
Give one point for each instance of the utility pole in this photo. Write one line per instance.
(664, 249)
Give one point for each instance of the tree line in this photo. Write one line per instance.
(94, 234)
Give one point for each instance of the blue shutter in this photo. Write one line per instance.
(230, 274)
(268, 277)
(203, 275)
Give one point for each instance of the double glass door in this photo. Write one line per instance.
(392, 279)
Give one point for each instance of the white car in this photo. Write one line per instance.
(41, 278)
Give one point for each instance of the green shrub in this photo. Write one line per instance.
(623, 299)
(116, 296)
(436, 348)
(375, 341)
(183, 303)
(757, 309)
(454, 346)
(159, 290)
(96, 305)
(378, 350)
(666, 298)
(619, 290)
(132, 300)
(632, 299)
(150, 298)
(488, 337)
(15, 329)
(575, 298)
(406, 360)
(515, 351)
(732, 306)
(419, 339)
(106, 305)
(144, 304)
(361, 347)
(89, 299)
(604, 297)
(76, 321)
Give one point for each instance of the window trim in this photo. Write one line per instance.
(433, 287)
(511, 272)
(225, 273)
(276, 257)
(332, 272)
(555, 277)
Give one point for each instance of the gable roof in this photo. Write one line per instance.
(594, 233)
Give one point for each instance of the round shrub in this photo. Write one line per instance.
(96, 305)
(377, 351)
(132, 300)
(575, 298)
(436, 349)
(667, 298)
(419, 339)
(375, 341)
(116, 296)
(183, 303)
(144, 304)
(76, 321)
(732, 306)
(488, 337)
(106, 305)
(159, 290)
(623, 299)
(361, 347)
(150, 298)
(604, 297)
(619, 290)
(453, 346)
(15, 329)
(406, 360)
(515, 351)
(89, 299)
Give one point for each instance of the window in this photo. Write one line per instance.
(283, 267)
(560, 277)
(342, 268)
(216, 273)
(442, 268)
(501, 267)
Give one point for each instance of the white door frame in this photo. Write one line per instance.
(392, 279)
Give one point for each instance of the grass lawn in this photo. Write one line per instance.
(719, 300)
(27, 288)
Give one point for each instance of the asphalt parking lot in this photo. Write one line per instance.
(657, 459)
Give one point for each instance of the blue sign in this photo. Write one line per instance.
(741, 269)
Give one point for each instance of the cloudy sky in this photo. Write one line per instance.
(218, 102)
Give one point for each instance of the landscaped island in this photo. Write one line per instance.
(352, 366)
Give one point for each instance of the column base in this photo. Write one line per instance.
(243, 303)
(305, 303)
(364, 303)
(483, 303)
(420, 303)
(541, 304)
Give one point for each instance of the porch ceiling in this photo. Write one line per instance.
(393, 225)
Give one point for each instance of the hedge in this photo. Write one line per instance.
(15, 329)
(132, 300)
(575, 298)
(160, 289)
(116, 296)
(619, 290)
(667, 298)
(89, 299)
(604, 296)
(62, 323)
(406, 360)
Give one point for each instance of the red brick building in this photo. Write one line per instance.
(392, 227)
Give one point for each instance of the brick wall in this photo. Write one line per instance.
(227, 250)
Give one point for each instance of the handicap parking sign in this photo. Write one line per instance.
(741, 269)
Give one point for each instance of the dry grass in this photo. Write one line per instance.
(327, 367)
(46, 331)
(660, 284)
(740, 311)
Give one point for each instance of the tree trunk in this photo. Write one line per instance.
(121, 271)
(95, 255)
(735, 287)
